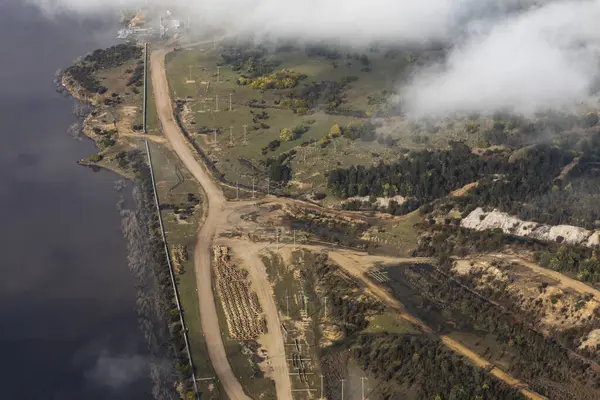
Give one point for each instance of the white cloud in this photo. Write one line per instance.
(520, 54)
(544, 58)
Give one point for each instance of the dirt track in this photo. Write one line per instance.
(202, 257)
(218, 212)
(216, 202)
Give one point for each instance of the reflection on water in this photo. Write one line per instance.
(67, 300)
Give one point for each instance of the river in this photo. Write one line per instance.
(67, 299)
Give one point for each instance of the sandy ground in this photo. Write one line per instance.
(219, 219)
(564, 280)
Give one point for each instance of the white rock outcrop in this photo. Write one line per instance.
(481, 220)
(381, 201)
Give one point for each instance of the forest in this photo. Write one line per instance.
(419, 363)
(423, 175)
(425, 362)
(526, 183)
(584, 263)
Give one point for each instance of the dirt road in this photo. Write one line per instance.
(216, 214)
(248, 253)
(216, 203)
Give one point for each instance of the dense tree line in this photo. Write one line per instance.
(424, 175)
(83, 72)
(523, 180)
(526, 183)
(311, 95)
(279, 169)
(582, 262)
(539, 357)
(425, 362)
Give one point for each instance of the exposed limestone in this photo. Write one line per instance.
(481, 220)
(380, 201)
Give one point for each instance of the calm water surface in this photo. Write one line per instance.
(68, 327)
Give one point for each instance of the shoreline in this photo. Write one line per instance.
(85, 128)
(142, 215)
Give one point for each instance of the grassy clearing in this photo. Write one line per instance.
(398, 235)
(174, 184)
(190, 71)
(152, 122)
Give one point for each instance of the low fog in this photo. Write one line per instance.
(523, 56)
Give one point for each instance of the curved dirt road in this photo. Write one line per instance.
(216, 204)
(216, 214)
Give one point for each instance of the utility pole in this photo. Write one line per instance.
(245, 133)
(305, 305)
(218, 74)
(237, 191)
(322, 397)
(230, 94)
(287, 303)
(343, 389)
(215, 136)
(231, 135)
(362, 383)
(216, 102)
(190, 67)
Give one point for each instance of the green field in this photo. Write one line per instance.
(190, 71)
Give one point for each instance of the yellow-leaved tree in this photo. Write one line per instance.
(286, 135)
(335, 131)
